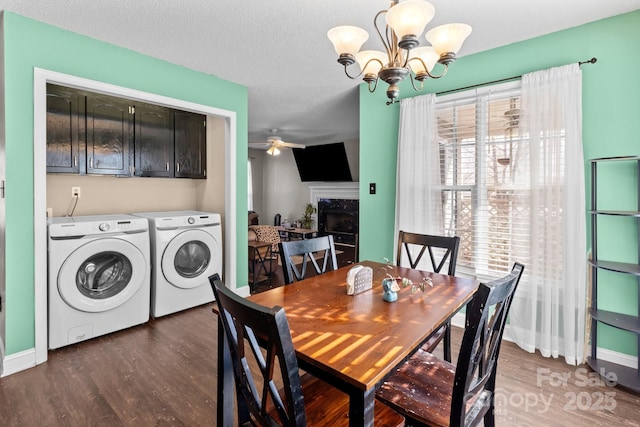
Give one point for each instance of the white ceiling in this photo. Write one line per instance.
(279, 49)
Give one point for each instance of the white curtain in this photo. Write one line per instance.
(548, 311)
(249, 186)
(418, 198)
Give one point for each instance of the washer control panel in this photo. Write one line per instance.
(70, 227)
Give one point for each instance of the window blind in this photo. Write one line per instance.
(484, 184)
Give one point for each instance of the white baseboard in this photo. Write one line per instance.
(618, 358)
(19, 362)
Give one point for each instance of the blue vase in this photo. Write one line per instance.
(388, 295)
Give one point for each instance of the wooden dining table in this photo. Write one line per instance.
(303, 233)
(354, 341)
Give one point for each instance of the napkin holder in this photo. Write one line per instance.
(359, 279)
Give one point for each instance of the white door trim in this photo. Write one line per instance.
(41, 78)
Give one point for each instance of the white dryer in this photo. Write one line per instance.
(186, 248)
(99, 276)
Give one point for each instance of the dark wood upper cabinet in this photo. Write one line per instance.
(92, 133)
(153, 141)
(190, 136)
(109, 135)
(65, 136)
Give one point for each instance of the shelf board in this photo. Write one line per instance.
(626, 377)
(619, 267)
(619, 158)
(617, 320)
(619, 213)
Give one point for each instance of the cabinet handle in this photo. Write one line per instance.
(91, 162)
(75, 161)
(177, 167)
(167, 166)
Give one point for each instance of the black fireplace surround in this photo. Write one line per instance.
(339, 217)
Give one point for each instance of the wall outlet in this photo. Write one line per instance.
(75, 192)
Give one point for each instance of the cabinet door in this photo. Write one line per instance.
(109, 134)
(190, 145)
(153, 140)
(65, 130)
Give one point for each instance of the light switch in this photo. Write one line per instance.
(372, 188)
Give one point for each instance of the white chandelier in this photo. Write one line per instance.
(405, 23)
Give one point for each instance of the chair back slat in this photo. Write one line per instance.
(408, 243)
(311, 250)
(265, 331)
(476, 368)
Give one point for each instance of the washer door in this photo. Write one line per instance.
(102, 275)
(189, 258)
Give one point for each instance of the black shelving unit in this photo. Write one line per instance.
(626, 376)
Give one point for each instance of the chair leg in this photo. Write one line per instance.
(447, 342)
(489, 418)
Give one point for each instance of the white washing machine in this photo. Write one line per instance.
(186, 248)
(99, 276)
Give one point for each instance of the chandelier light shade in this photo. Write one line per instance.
(347, 39)
(405, 22)
(273, 151)
(409, 19)
(368, 65)
(448, 38)
(428, 60)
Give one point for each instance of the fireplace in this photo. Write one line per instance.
(339, 217)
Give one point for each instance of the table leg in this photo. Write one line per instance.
(361, 409)
(262, 259)
(258, 264)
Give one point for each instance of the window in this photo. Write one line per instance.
(484, 188)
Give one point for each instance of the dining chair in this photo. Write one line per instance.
(277, 222)
(441, 249)
(259, 336)
(429, 391)
(263, 259)
(310, 250)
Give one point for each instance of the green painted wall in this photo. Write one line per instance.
(611, 125)
(29, 44)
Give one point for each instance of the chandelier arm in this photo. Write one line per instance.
(413, 83)
(442, 74)
(349, 75)
(370, 61)
(394, 51)
(433, 76)
(385, 41)
(406, 59)
(375, 85)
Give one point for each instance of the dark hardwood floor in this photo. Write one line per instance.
(163, 373)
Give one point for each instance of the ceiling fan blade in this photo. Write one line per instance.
(291, 145)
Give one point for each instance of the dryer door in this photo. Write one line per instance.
(190, 258)
(102, 275)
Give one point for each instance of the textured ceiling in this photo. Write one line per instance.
(279, 49)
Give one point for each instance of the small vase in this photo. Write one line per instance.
(389, 295)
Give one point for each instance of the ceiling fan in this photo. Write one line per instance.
(274, 143)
